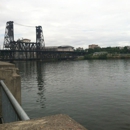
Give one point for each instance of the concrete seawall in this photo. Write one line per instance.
(10, 75)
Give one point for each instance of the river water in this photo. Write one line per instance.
(95, 93)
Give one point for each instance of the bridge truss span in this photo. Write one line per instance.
(26, 50)
(24, 46)
(11, 44)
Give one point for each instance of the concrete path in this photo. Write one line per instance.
(56, 122)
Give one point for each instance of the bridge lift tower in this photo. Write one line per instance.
(9, 34)
(9, 42)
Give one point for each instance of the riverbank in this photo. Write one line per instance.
(107, 56)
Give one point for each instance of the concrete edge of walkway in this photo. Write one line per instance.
(54, 122)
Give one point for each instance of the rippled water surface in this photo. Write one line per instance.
(95, 93)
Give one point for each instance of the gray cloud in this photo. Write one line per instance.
(73, 22)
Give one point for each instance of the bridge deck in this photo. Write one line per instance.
(38, 54)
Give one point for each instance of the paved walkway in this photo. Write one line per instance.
(56, 122)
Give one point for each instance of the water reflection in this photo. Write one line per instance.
(32, 82)
(40, 84)
(27, 69)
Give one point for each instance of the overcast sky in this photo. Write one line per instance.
(78, 23)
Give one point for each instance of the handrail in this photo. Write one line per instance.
(21, 113)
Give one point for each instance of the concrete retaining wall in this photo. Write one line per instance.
(10, 74)
(56, 122)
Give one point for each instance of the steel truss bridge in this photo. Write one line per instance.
(13, 55)
(21, 50)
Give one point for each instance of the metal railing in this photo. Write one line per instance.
(11, 110)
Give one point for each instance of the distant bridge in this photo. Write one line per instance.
(11, 55)
(9, 42)
(23, 50)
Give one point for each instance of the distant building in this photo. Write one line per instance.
(50, 48)
(128, 47)
(59, 48)
(93, 46)
(100, 53)
(65, 48)
(121, 48)
(80, 49)
(24, 40)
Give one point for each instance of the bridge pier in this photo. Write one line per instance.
(9, 74)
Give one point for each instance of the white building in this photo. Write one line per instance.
(24, 40)
(65, 48)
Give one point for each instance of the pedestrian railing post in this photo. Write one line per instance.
(11, 110)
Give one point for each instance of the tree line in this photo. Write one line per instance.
(111, 50)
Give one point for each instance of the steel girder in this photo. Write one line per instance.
(9, 34)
